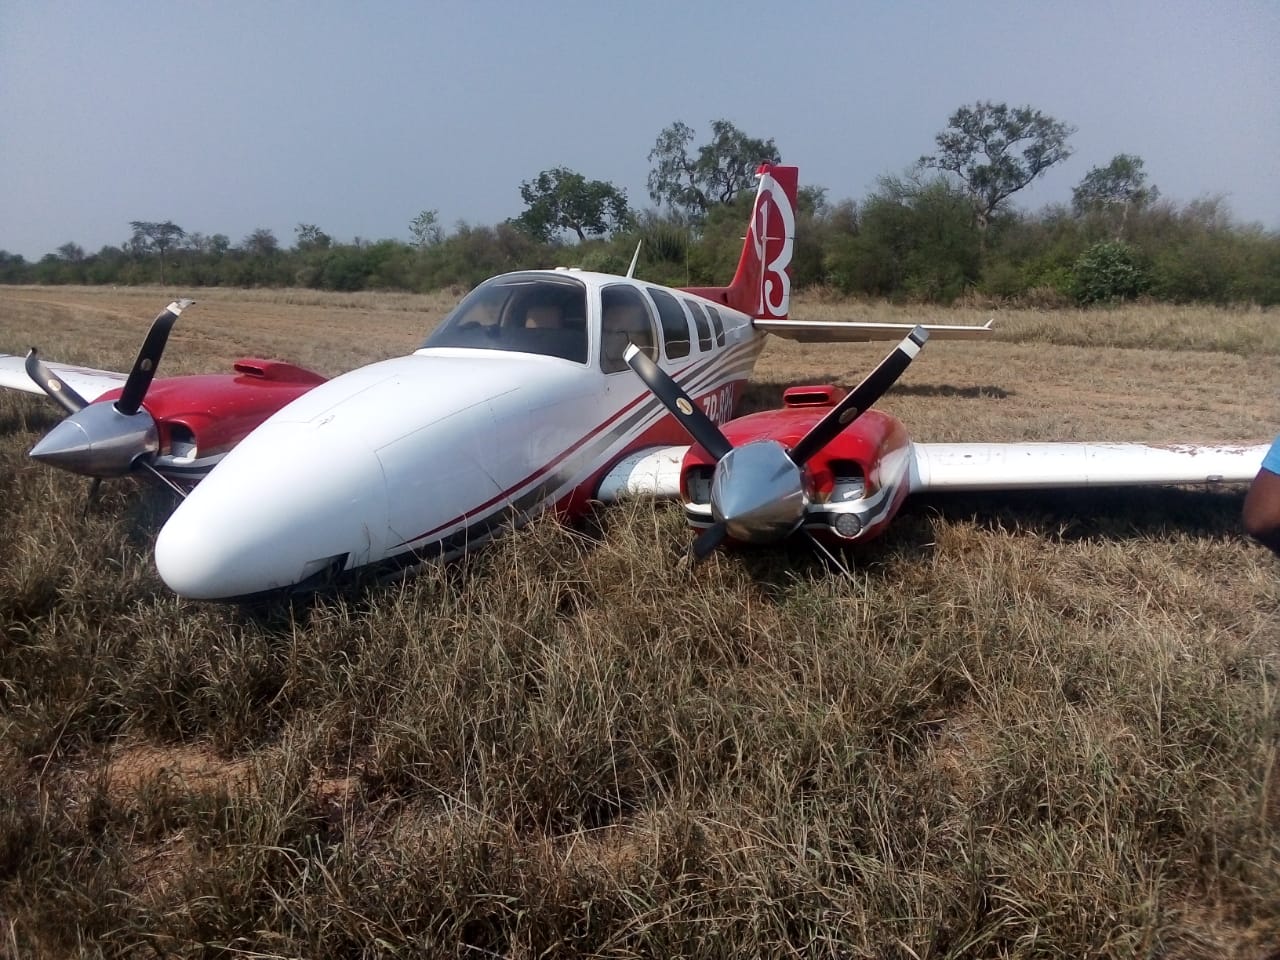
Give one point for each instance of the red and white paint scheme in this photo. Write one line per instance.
(546, 390)
(175, 428)
(857, 481)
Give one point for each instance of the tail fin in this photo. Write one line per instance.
(761, 286)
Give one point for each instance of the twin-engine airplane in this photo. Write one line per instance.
(542, 390)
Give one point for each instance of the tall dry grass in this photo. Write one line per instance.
(1021, 726)
(1244, 330)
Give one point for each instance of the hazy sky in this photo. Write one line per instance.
(227, 116)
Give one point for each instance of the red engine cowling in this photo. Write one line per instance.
(865, 463)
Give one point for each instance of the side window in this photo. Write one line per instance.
(549, 319)
(675, 325)
(624, 318)
(700, 321)
(718, 324)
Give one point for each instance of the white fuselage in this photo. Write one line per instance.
(424, 455)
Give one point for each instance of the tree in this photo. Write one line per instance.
(562, 199)
(1120, 185)
(915, 237)
(148, 236)
(13, 267)
(261, 243)
(1108, 272)
(310, 237)
(71, 252)
(812, 200)
(425, 229)
(996, 150)
(715, 174)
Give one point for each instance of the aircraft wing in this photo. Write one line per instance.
(1025, 466)
(651, 472)
(86, 381)
(814, 331)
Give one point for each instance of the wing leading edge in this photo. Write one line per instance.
(86, 381)
(1027, 466)
(814, 331)
(651, 472)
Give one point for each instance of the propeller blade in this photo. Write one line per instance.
(53, 385)
(144, 368)
(861, 398)
(94, 487)
(689, 414)
(708, 540)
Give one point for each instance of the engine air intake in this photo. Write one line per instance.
(822, 395)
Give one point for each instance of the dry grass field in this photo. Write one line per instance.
(1024, 726)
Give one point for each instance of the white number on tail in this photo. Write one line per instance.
(775, 295)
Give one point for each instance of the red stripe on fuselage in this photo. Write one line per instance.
(657, 433)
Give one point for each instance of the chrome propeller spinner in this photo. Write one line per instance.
(103, 440)
(758, 491)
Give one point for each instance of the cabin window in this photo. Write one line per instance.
(624, 318)
(700, 321)
(675, 325)
(718, 324)
(520, 312)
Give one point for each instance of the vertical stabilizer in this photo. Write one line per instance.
(761, 286)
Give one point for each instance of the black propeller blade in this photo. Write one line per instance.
(53, 385)
(708, 540)
(861, 398)
(144, 368)
(678, 402)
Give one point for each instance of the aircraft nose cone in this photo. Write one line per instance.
(66, 446)
(758, 493)
(277, 511)
(98, 441)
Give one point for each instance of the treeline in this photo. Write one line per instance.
(462, 258)
(916, 242)
(946, 229)
(916, 245)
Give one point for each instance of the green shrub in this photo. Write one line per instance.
(1108, 272)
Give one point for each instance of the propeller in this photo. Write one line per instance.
(144, 367)
(52, 384)
(107, 439)
(758, 493)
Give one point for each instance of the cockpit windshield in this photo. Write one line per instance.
(521, 312)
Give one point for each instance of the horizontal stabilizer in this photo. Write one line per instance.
(815, 331)
(1028, 466)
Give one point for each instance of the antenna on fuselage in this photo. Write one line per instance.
(635, 258)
